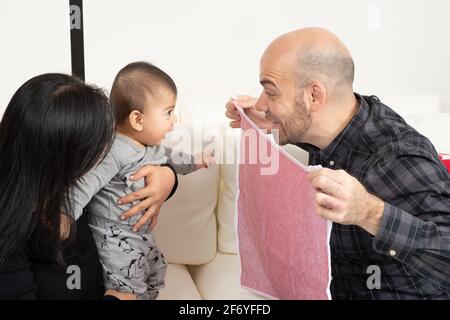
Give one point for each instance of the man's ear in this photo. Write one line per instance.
(136, 120)
(317, 96)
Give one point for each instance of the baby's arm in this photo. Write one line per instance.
(184, 163)
(81, 193)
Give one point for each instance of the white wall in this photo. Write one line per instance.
(34, 39)
(212, 48)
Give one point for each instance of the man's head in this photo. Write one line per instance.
(302, 72)
(143, 98)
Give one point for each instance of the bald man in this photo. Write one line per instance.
(382, 184)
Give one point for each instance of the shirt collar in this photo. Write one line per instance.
(345, 140)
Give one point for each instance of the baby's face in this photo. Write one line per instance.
(159, 117)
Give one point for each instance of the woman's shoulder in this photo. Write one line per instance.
(16, 277)
(16, 260)
(27, 276)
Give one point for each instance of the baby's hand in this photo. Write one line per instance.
(204, 160)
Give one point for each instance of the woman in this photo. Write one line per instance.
(53, 131)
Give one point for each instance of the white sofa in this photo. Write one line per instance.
(196, 228)
(424, 112)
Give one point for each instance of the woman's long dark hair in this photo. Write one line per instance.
(54, 130)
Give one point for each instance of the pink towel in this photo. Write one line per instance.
(283, 244)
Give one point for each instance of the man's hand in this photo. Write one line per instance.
(159, 183)
(248, 104)
(343, 199)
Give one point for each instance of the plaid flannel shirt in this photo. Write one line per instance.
(412, 247)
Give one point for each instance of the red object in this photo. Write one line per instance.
(445, 158)
(283, 244)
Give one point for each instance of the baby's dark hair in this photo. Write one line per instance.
(132, 86)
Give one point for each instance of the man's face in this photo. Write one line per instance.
(283, 101)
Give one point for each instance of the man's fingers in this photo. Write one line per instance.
(235, 124)
(331, 209)
(337, 175)
(327, 201)
(326, 185)
(232, 115)
(328, 214)
(231, 108)
(318, 172)
(244, 101)
(145, 218)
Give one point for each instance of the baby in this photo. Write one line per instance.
(143, 98)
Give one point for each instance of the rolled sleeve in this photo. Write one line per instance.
(422, 245)
(399, 234)
(415, 227)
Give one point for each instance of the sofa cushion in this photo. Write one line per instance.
(219, 279)
(186, 230)
(179, 284)
(227, 195)
(297, 153)
(413, 103)
(435, 126)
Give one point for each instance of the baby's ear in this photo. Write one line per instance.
(136, 120)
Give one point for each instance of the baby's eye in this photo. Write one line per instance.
(170, 112)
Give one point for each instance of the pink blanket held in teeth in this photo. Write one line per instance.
(283, 244)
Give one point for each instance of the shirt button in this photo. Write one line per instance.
(331, 163)
(392, 253)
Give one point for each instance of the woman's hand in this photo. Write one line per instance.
(120, 295)
(159, 181)
(154, 219)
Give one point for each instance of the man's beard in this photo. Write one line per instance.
(296, 125)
